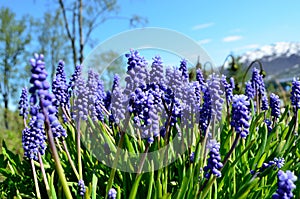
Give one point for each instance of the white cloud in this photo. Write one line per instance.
(204, 41)
(232, 38)
(202, 26)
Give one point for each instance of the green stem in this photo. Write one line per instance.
(296, 123)
(59, 169)
(79, 149)
(113, 170)
(142, 160)
(203, 147)
(44, 176)
(38, 194)
(70, 159)
(235, 142)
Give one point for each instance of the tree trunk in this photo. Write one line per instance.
(5, 99)
(81, 42)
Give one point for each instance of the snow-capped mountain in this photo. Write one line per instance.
(280, 60)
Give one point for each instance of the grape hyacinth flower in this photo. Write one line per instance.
(142, 107)
(276, 162)
(157, 72)
(60, 87)
(240, 115)
(117, 105)
(269, 124)
(275, 105)
(34, 136)
(174, 82)
(23, 103)
(116, 82)
(205, 111)
(74, 77)
(214, 163)
(264, 103)
(112, 194)
(81, 187)
(228, 87)
(92, 86)
(257, 83)
(80, 109)
(192, 157)
(40, 85)
(200, 78)
(214, 86)
(285, 185)
(49, 105)
(101, 99)
(40, 90)
(137, 73)
(249, 91)
(183, 69)
(189, 106)
(295, 95)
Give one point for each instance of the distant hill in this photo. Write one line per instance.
(281, 60)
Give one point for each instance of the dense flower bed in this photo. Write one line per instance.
(217, 143)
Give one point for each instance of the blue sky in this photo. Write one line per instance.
(220, 27)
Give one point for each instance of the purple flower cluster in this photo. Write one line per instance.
(80, 108)
(269, 124)
(214, 163)
(276, 162)
(81, 187)
(174, 82)
(112, 194)
(103, 99)
(190, 106)
(143, 106)
(117, 104)
(60, 87)
(285, 185)
(228, 87)
(23, 103)
(205, 111)
(157, 72)
(92, 87)
(275, 105)
(200, 78)
(214, 86)
(192, 157)
(33, 137)
(49, 105)
(264, 103)
(257, 83)
(295, 94)
(137, 73)
(183, 69)
(249, 90)
(75, 76)
(116, 82)
(38, 79)
(240, 115)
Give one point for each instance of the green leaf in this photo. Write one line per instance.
(51, 185)
(135, 186)
(246, 188)
(94, 186)
(183, 187)
(151, 181)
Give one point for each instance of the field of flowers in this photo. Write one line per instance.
(161, 135)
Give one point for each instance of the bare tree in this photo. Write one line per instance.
(52, 40)
(81, 18)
